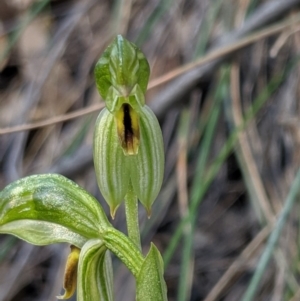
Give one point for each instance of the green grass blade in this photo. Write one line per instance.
(207, 27)
(273, 239)
(186, 268)
(158, 12)
(223, 154)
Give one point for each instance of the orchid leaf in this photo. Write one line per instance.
(42, 233)
(50, 203)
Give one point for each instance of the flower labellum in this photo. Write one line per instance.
(70, 277)
(128, 145)
(128, 129)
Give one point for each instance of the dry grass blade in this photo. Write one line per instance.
(238, 265)
(224, 51)
(249, 166)
(173, 93)
(219, 53)
(54, 120)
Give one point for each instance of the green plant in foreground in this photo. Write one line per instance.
(129, 163)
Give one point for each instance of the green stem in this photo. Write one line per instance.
(124, 249)
(132, 217)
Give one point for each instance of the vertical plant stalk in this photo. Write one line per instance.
(132, 217)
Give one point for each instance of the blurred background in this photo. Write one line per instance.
(225, 88)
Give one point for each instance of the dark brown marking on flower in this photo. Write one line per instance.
(128, 131)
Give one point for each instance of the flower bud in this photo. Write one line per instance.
(115, 167)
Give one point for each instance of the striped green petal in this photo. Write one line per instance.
(109, 160)
(95, 275)
(147, 167)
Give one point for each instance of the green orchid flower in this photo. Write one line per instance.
(129, 159)
(128, 144)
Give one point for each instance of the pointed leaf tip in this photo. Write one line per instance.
(149, 212)
(113, 211)
(150, 281)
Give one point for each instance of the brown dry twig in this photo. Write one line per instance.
(53, 120)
